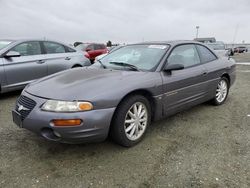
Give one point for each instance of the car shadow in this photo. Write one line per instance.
(49, 150)
(5, 96)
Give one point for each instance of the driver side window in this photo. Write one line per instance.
(186, 55)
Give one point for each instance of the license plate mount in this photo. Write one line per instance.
(17, 119)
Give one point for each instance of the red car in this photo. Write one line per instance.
(93, 49)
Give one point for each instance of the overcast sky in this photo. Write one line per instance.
(125, 20)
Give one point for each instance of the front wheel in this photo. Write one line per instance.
(76, 66)
(221, 92)
(131, 120)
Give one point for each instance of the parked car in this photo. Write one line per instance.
(93, 49)
(220, 48)
(110, 50)
(121, 94)
(23, 61)
(240, 49)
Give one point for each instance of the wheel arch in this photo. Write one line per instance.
(144, 92)
(226, 75)
(76, 65)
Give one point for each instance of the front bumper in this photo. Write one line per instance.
(95, 126)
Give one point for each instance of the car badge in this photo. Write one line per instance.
(21, 107)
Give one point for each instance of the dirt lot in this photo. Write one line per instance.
(205, 146)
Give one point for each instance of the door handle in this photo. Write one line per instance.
(67, 58)
(40, 61)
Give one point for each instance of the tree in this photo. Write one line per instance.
(109, 43)
(77, 43)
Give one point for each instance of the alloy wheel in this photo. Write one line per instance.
(136, 121)
(221, 91)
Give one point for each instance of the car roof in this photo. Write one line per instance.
(171, 42)
(23, 40)
(35, 39)
(92, 43)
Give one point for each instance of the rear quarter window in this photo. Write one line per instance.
(99, 47)
(205, 54)
(68, 49)
(54, 48)
(103, 46)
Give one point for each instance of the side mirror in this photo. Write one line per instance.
(12, 54)
(173, 67)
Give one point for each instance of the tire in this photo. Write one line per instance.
(221, 90)
(123, 114)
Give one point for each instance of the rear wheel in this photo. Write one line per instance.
(221, 92)
(131, 120)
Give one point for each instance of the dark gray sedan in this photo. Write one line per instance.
(123, 92)
(23, 61)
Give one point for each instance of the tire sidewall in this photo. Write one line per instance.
(117, 128)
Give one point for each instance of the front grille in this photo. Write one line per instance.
(27, 106)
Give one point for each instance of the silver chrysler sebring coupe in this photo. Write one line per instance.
(122, 93)
(23, 61)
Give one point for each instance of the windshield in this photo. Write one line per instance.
(216, 46)
(3, 44)
(142, 57)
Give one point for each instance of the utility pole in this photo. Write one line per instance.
(235, 33)
(197, 31)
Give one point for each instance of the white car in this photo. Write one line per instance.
(220, 48)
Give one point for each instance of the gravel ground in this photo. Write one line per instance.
(242, 57)
(205, 146)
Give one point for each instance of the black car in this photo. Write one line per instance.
(240, 49)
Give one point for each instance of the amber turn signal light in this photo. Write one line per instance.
(66, 122)
(84, 106)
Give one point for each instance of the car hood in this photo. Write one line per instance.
(86, 84)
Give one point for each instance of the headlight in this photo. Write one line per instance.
(66, 106)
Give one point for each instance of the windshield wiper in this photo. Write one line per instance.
(125, 65)
(99, 61)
